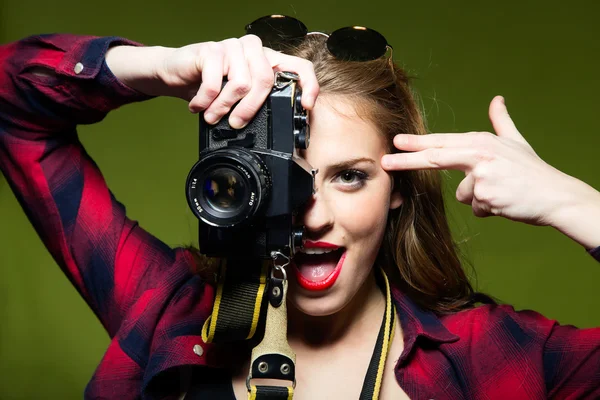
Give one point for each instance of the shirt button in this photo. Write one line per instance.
(198, 350)
(78, 68)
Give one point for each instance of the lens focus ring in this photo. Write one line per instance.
(228, 186)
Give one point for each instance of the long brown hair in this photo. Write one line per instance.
(418, 252)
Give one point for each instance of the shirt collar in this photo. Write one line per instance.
(417, 322)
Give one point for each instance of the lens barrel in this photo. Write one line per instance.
(227, 187)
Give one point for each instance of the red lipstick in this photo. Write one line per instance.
(319, 245)
(327, 282)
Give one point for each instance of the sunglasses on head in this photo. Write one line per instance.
(352, 43)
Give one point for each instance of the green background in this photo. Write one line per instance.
(543, 57)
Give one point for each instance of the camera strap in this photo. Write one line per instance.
(374, 377)
(236, 315)
(273, 358)
(238, 301)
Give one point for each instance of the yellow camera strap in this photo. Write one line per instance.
(374, 377)
(238, 301)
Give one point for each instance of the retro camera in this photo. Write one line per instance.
(249, 183)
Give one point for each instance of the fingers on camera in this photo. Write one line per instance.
(261, 82)
(249, 68)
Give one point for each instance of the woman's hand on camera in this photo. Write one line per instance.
(503, 174)
(195, 73)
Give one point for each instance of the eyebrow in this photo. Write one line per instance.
(349, 163)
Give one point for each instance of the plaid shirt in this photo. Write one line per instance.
(153, 307)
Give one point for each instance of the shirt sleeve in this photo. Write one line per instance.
(595, 253)
(109, 258)
(523, 353)
(572, 362)
(570, 356)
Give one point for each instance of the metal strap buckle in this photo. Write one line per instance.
(285, 78)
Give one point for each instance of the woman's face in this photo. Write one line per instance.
(349, 209)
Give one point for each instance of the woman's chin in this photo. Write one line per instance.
(321, 303)
(316, 303)
(315, 307)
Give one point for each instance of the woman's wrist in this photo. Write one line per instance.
(578, 213)
(137, 67)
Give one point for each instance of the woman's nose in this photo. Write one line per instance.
(316, 215)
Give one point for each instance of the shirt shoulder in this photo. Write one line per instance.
(522, 327)
(525, 350)
(499, 351)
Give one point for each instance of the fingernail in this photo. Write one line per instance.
(502, 100)
(309, 100)
(385, 161)
(399, 140)
(210, 118)
(236, 122)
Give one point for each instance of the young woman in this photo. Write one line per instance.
(378, 204)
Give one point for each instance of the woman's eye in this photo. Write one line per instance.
(348, 177)
(352, 178)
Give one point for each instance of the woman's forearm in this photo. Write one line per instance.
(137, 67)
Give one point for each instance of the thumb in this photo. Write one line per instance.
(502, 122)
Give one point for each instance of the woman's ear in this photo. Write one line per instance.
(396, 198)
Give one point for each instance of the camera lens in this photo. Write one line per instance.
(228, 186)
(224, 189)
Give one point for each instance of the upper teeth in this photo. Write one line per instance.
(317, 251)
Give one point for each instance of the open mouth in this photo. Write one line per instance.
(318, 271)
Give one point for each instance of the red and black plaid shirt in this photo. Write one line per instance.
(153, 307)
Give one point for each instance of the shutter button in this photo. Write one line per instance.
(78, 68)
(198, 350)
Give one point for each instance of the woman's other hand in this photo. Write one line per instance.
(503, 174)
(195, 73)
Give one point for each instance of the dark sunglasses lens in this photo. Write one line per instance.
(277, 31)
(357, 44)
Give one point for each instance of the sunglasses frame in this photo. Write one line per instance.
(277, 38)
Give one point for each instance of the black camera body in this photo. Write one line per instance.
(249, 183)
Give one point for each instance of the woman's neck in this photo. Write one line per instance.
(354, 324)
